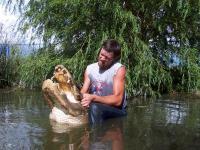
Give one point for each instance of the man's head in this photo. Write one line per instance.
(110, 52)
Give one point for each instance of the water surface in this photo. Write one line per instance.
(167, 123)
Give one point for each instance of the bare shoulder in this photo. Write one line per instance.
(121, 72)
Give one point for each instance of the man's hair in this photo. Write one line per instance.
(112, 45)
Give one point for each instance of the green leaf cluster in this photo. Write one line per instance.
(150, 33)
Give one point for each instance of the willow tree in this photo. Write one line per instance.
(151, 34)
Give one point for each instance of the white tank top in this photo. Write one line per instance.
(102, 81)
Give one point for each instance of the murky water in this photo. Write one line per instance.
(164, 124)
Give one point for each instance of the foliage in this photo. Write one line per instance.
(9, 64)
(150, 32)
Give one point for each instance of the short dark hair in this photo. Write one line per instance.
(112, 45)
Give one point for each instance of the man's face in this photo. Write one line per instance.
(105, 59)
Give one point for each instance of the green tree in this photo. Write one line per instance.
(9, 59)
(150, 32)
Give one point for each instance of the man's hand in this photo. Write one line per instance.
(87, 98)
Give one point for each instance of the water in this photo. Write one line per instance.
(168, 123)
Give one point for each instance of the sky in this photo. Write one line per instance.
(7, 24)
(7, 18)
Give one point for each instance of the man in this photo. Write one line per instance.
(104, 85)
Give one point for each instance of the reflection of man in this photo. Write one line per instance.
(104, 84)
(109, 136)
(112, 139)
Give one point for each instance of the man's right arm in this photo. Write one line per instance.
(86, 83)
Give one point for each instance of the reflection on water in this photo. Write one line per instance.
(108, 136)
(165, 123)
(174, 111)
(19, 117)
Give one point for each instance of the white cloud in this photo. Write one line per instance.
(8, 26)
(8, 23)
(6, 18)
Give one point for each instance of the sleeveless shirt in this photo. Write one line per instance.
(102, 81)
